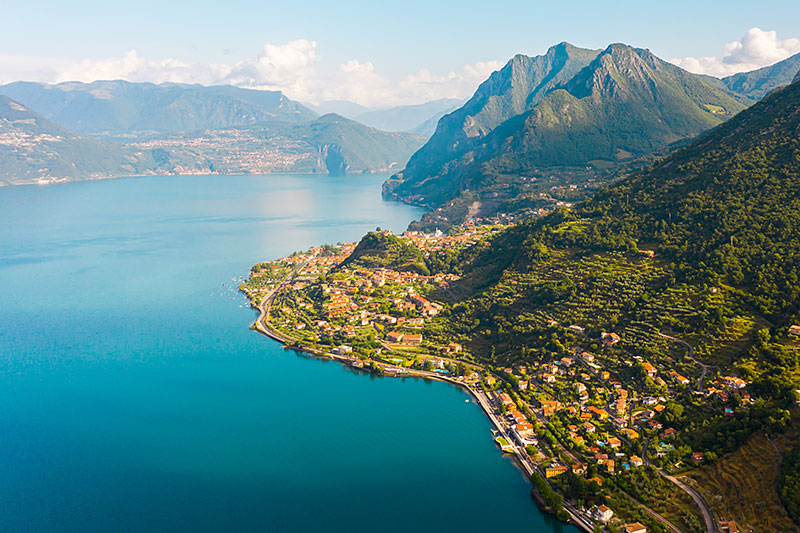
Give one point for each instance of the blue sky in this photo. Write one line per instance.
(393, 40)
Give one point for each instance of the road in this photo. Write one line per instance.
(690, 355)
(262, 322)
(524, 460)
(698, 499)
(688, 489)
(669, 525)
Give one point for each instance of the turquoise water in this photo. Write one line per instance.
(133, 396)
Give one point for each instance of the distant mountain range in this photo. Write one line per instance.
(121, 108)
(568, 108)
(420, 119)
(571, 117)
(34, 149)
(330, 144)
(117, 128)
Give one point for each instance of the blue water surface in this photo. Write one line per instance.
(133, 396)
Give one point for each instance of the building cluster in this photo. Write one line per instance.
(602, 417)
(241, 150)
(382, 304)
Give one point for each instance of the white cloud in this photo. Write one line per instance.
(756, 49)
(293, 68)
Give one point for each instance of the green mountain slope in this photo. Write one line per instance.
(758, 83)
(120, 108)
(722, 212)
(723, 209)
(624, 105)
(33, 148)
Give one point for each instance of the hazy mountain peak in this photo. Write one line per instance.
(118, 107)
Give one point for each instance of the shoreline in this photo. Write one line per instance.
(520, 456)
(60, 181)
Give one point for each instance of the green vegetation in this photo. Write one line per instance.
(789, 482)
(383, 250)
(742, 486)
(552, 499)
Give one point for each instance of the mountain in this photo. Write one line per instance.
(349, 146)
(339, 107)
(723, 209)
(624, 104)
(757, 83)
(330, 144)
(428, 127)
(410, 117)
(516, 87)
(32, 149)
(120, 108)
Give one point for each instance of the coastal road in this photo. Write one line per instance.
(524, 460)
(263, 326)
(262, 322)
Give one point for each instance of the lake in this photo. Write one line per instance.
(134, 397)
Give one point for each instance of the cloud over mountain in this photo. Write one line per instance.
(294, 68)
(757, 48)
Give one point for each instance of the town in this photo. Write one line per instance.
(576, 423)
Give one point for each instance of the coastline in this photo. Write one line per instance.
(520, 456)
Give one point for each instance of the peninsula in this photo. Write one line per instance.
(638, 352)
(366, 305)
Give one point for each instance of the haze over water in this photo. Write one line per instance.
(134, 397)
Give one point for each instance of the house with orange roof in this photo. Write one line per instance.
(414, 339)
(394, 337)
(634, 527)
(650, 369)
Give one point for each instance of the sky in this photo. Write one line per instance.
(374, 53)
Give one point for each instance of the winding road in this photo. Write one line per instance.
(690, 355)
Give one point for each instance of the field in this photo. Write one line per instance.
(742, 486)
